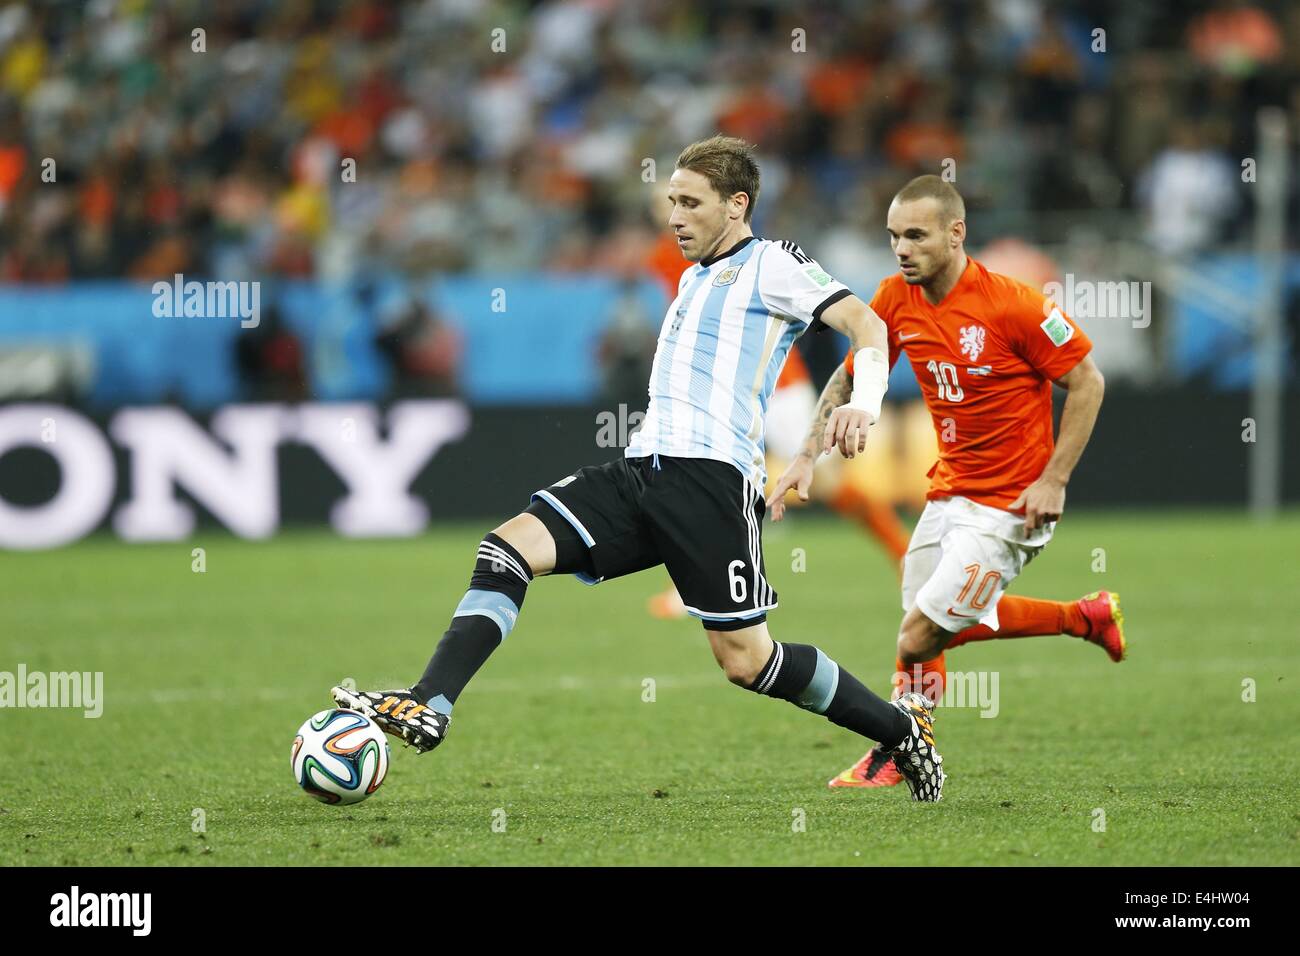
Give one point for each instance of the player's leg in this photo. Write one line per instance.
(508, 559)
(925, 554)
(925, 551)
(558, 533)
(982, 551)
(806, 677)
(920, 664)
(707, 521)
(1095, 617)
(918, 669)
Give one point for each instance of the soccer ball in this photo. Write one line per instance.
(339, 756)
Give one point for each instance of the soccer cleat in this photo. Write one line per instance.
(876, 769)
(397, 712)
(915, 755)
(1105, 623)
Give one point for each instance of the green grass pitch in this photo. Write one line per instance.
(207, 676)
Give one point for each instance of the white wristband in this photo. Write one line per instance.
(870, 381)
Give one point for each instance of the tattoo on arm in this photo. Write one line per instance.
(836, 393)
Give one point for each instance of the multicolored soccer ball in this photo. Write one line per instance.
(339, 756)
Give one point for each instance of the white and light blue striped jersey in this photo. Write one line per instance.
(722, 346)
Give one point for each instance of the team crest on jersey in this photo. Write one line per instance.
(972, 341)
(727, 276)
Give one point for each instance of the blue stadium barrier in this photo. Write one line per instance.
(540, 349)
(1201, 342)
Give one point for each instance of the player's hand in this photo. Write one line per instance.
(1043, 501)
(799, 477)
(847, 428)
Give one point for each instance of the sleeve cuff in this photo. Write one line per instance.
(826, 303)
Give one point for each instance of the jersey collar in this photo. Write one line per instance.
(730, 252)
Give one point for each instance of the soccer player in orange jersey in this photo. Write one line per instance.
(986, 350)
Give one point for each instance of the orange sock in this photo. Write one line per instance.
(1027, 617)
(927, 677)
(876, 516)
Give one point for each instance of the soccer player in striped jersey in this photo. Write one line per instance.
(986, 350)
(687, 494)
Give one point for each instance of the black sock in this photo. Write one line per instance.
(856, 707)
(803, 675)
(484, 618)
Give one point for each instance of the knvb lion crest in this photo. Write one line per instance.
(972, 341)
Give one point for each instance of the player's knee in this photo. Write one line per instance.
(741, 672)
(735, 666)
(513, 531)
(736, 660)
(919, 639)
(527, 535)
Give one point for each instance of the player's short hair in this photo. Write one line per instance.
(727, 163)
(951, 206)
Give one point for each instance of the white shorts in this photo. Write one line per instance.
(789, 416)
(961, 558)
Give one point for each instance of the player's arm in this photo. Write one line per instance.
(838, 392)
(799, 475)
(1044, 500)
(848, 423)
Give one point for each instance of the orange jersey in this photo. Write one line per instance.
(985, 358)
(666, 263)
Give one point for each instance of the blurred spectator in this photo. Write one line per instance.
(310, 135)
(1189, 192)
(270, 361)
(1236, 38)
(422, 350)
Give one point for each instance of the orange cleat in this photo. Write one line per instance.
(1105, 623)
(667, 606)
(876, 769)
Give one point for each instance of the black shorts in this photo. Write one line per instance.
(700, 518)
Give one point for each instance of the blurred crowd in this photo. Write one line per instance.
(324, 137)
